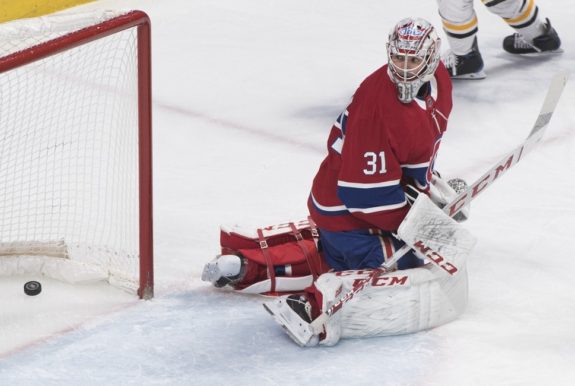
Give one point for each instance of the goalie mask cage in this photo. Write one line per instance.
(75, 148)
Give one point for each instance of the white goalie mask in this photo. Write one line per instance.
(413, 52)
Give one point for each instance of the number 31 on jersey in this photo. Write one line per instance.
(375, 163)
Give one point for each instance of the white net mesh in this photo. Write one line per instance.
(69, 150)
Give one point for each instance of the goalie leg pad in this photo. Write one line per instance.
(248, 271)
(403, 302)
(400, 302)
(276, 259)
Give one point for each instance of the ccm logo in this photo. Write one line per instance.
(435, 257)
(383, 281)
(389, 281)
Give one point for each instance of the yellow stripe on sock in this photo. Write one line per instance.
(524, 15)
(459, 28)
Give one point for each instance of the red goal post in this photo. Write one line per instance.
(57, 175)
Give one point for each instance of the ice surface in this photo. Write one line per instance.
(245, 92)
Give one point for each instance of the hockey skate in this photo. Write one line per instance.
(293, 313)
(224, 270)
(548, 42)
(468, 66)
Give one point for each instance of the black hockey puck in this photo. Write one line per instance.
(32, 288)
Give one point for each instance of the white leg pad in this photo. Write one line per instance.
(418, 300)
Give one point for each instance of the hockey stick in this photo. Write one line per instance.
(465, 197)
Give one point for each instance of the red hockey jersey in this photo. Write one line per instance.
(374, 147)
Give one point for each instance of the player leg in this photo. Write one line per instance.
(362, 249)
(272, 259)
(534, 35)
(284, 268)
(463, 60)
(286, 265)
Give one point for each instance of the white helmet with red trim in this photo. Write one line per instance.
(413, 54)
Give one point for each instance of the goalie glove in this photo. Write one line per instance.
(442, 192)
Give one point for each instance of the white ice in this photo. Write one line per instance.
(245, 92)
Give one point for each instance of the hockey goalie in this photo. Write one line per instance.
(375, 194)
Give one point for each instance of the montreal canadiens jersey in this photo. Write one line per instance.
(377, 145)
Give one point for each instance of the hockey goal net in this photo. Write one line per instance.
(75, 148)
